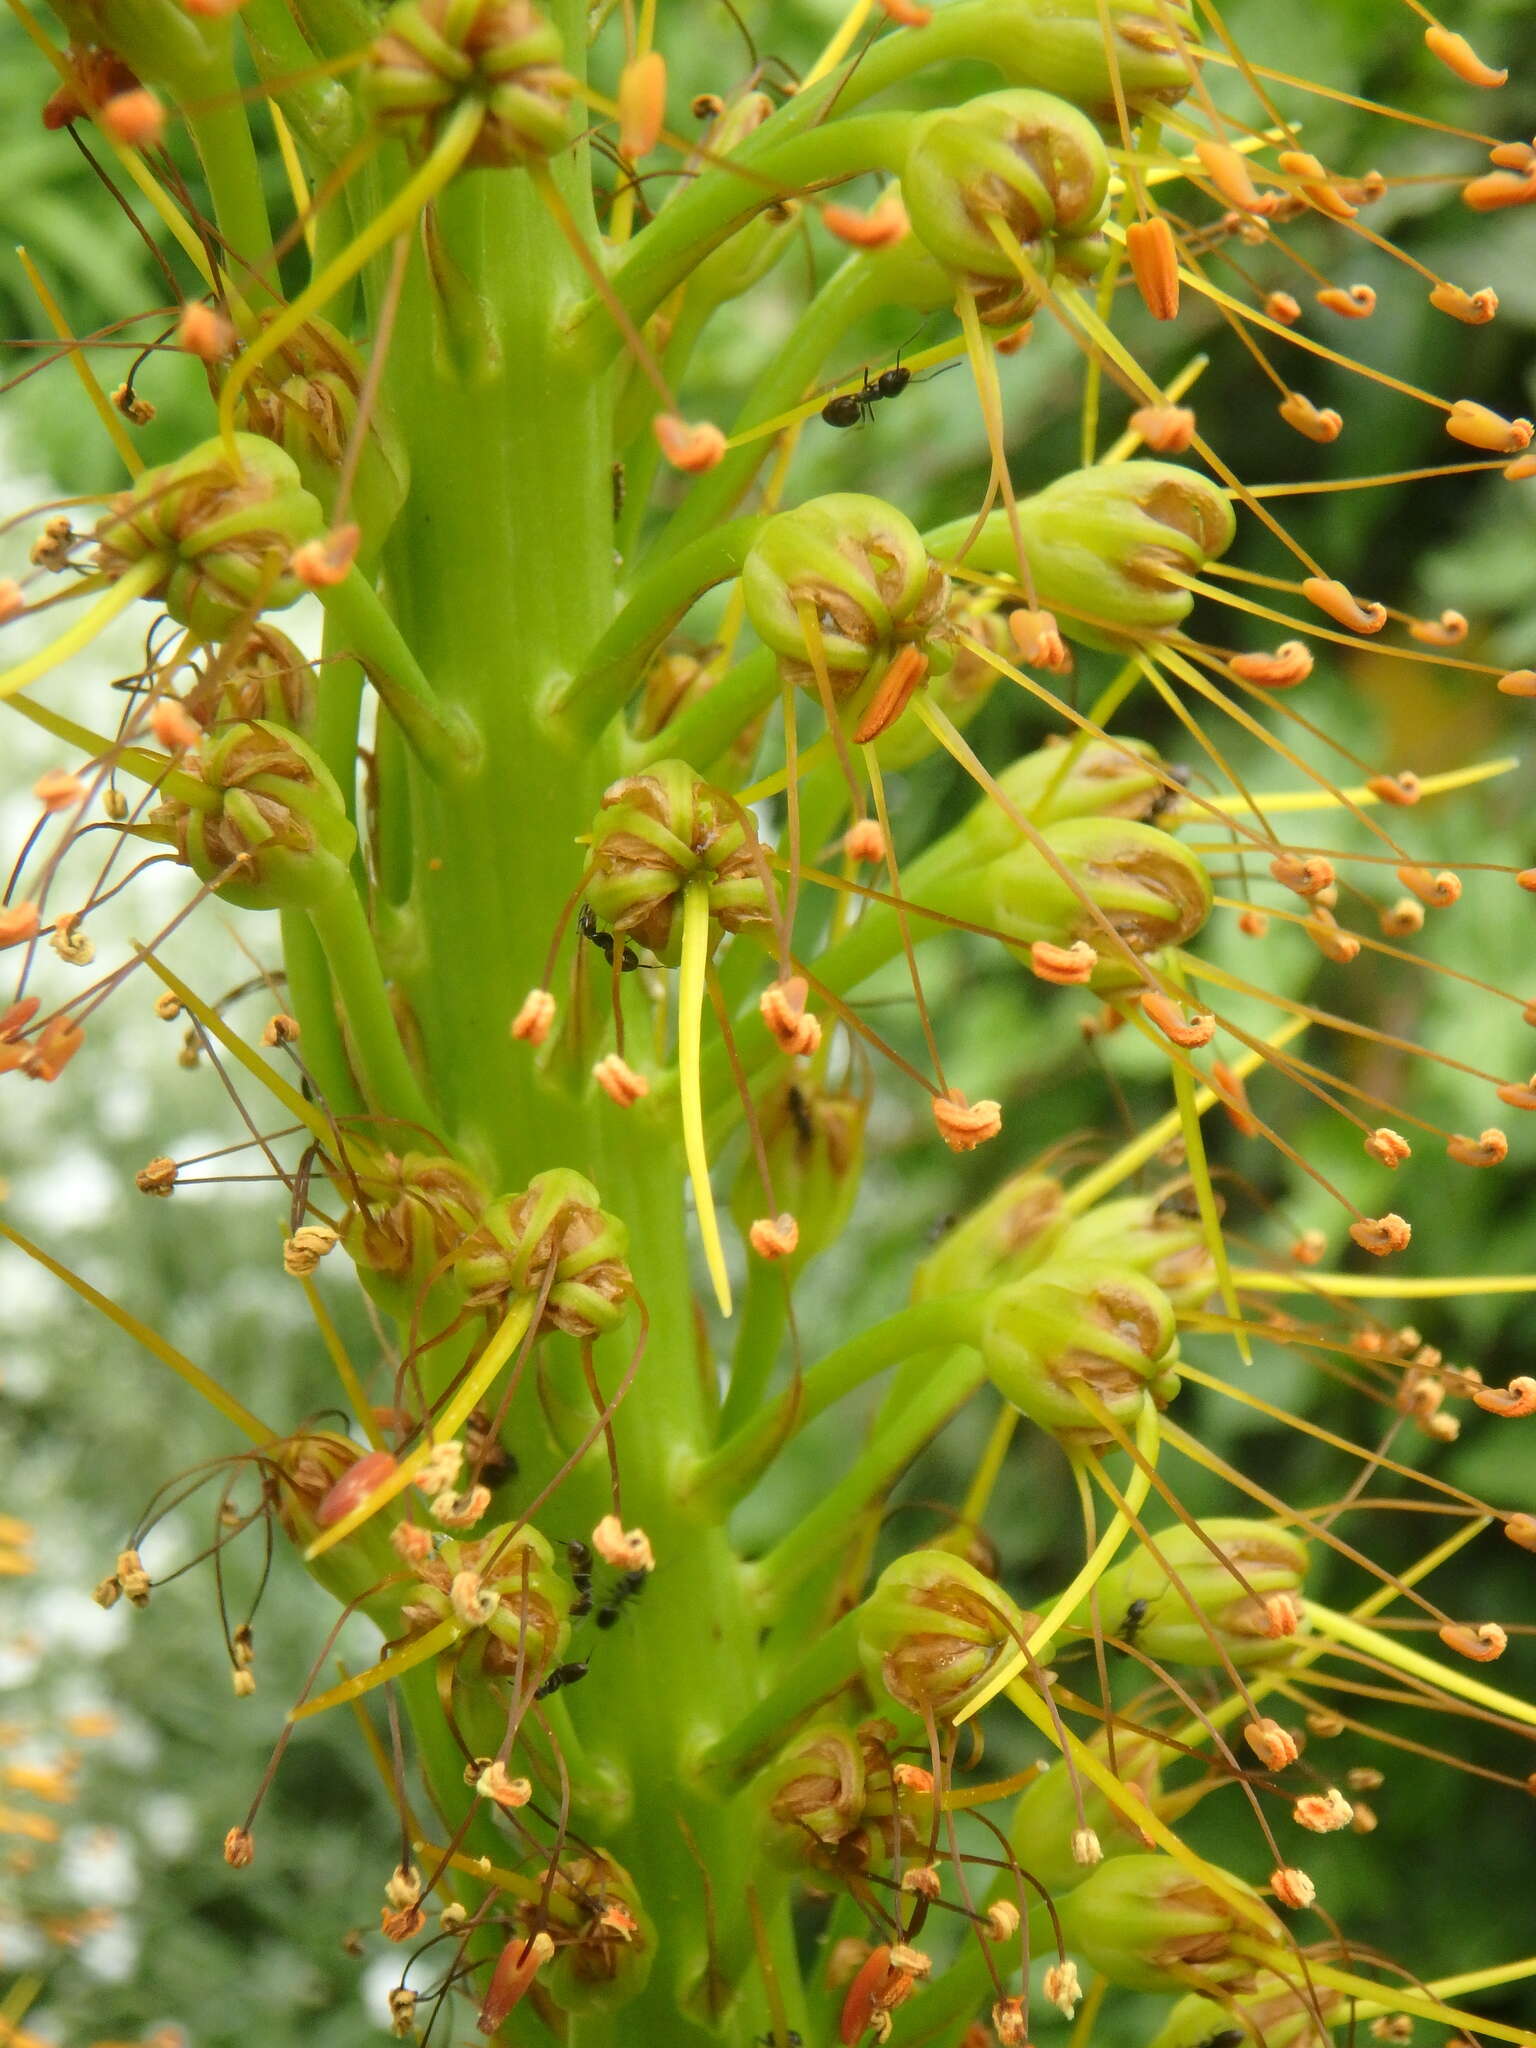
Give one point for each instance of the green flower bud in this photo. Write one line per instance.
(556, 1218)
(747, 256)
(1100, 1326)
(408, 1217)
(1063, 48)
(932, 1629)
(657, 832)
(864, 567)
(1026, 159)
(677, 679)
(1012, 1232)
(1254, 1626)
(261, 677)
(504, 1587)
(280, 815)
(960, 692)
(610, 1959)
(811, 1796)
(224, 532)
(1164, 1240)
(433, 55)
(1045, 1818)
(1273, 2013)
(1149, 1925)
(304, 1469)
(305, 400)
(1106, 780)
(814, 1139)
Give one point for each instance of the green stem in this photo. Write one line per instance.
(445, 743)
(321, 112)
(221, 134)
(824, 1670)
(387, 1078)
(708, 727)
(312, 999)
(758, 1338)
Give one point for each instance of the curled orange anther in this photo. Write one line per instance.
(642, 99)
(782, 1007)
(1318, 425)
(1272, 1744)
(1170, 1020)
(534, 1017)
(627, 1550)
(1402, 789)
(1476, 309)
(1228, 171)
(1439, 891)
(1324, 1813)
(1458, 55)
(1307, 875)
(619, 1081)
(1355, 302)
(322, 564)
(1489, 1148)
(1482, 1644)
(893, 693)
(1066, 966)
(1283, 307)
(1400, 920)
(1449, 630)
(1154, 265)
(1381, 1234)
(1390, 1147)
(884, 223)
(1292, 1888)
(691, 449)
(1479, 427)
(1291, 663)
(1486, 194)
(965, 1125)
(1515, 1400)
(1234, 1099)
(1166, 429)
(173, 725)
(1332, 597)
(1521, 1529)
(774, 1237)
(1519, 1094)
(1335, 944)
(1314, 184)
(1039, 641)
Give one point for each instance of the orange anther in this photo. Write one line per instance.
(774, 1237)
(619, 1081)
(1272, 1744)
(1170, 1020)
(1489, 1148)
(1332, 597)
(1039, 641)
(322, 564)
(642, 99)
(1486, 194)
(1519, 1095)
(1513, 156)
(893, 693)
(173, 725)
(1449, 630)
(1439, 891)
(1522, 467)
(907, 13)
(1234, 1099)
(1515, 1400)
(1479, 427)
(1020, 337)
(534, 1017)
(627, 1550)
(1390, 1147)
(913, 1778)
(204, 333)
(1228, 171)
(1519, 682)
(864, 842)
(1309, 1248)
(1403, 918)
(1521, 1529)
(1292, 1888)
(1527, 878)
(1381, 1234)
(1335, 944)
(1475, 308)
(18, 921)
(1458, 54)
(1314, 184)
(1282, 1615)
(691, 449)
(57, 789)
(1166, 429)
(1355, 302)
(884, 223)
(135, 120)
(1306, 418)
(1253, 924)
(1323, 1812)
(965, 1125)
(61, 1039)
(1282, 307)
(1154, 265)
(1482, 1644)
(1067, 966)
(1400, 789)
(13, 600)
(782, 1007)
(1307, 876)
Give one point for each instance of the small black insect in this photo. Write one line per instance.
(800, 1115)
(848, 408)
(586, 924)
(1229, 2037)
(561, 1676)
(578, 1556)
(1135, 1615)
(628, 1587)
(941, 1226)
(1168, 795)
(789, 2039)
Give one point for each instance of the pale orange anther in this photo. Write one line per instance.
(691, 449)
(134, 120)
(627, 1550)
(884, 223)
(1516, 1400)
(1062, 1985)
(1458, 54)
(13, 1021)
(534, 1017)
(1166, 429)
(1283, 307)
(782, 1007)
(1020, 337)
(1519, 682)
(213, 10)
(1486, 194)
(1522, 467)
(1307, 875)
(57, 789)
(204, 333)
(1381, 1235)
(239, 1848)
(1476, 309)
(1038, 639)
(1521, 1529)
(913, 1778)
(619, 1081)
(323, 563)
(1489, 1148)
(1292, 1888)
(906, 13)
(1309, 1248)
(1482, 1644)
(1402, 789)
(1519, 1094)
(1253, 924)
(1355, 302)
(864, 843)
(1439, 890)
(1234, 1099)
(1513, 156)
(1317, 424)
(1282, 1615)
(1449, 630)
(1291, 663)
(1332, 597)
(1067, 966)
(1479, 427)
(61, 1039)
(1526, 877)
(1403, 918)
(965, 1125)
(1008, 2022)
(1170, 1020)
(508, 1793)
(18, 922)
(1272, 1744)
(13, 600)
(774, 1237)
(1389, 1146)
(893, 693)
(1324, 1813)
(411, 1541)
(1325, 932)
(642, 98)
(1154, 265)
(173, 725)
(516, 1967)
(1315, 185)
(1228, 171)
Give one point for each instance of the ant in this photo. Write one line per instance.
(1135, 1616)
(562, 1675)
(586, 924)
(789, 2039)
(800, 1116)
(1168, 795)
(848, 408)
(629, 1587)
(578, 1556)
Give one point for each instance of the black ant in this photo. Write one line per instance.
(1135, 1616)
(1172, 791)
(848, 408)
(629, 1587)
(578, 1556)
(586, 924)
(789, 2039)
(800, 1116)
(562, 1676)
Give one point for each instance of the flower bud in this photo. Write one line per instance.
(557, 1218)
(1107, 779)
(280, 816)
(1095, 51)
(659, 831)
(863, 566)
(1149, 1925)
(503, 1589)
(1163, 1239)
(814, 1139)
(1273, 2013)
(1027, 159)
(308, 1471)
(1011, 1233)
(262, 678)
(305, 400)
(812, 1796)
(959, 692)
(1100, 1326)
(931, 1630)
(1176, 1629)
(410, 1213)
(434, 55)
(609, 1961)
(1045, 1818)
(223, 531)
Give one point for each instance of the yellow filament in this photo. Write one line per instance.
(106, 412)
(841, 43)
(509, 1334)
(1399, 1998)
(1344, 1628)
(980, 1492)
(133, 584)
(1381, 1286)
(353, 1688)
(690, 1016)
(298, 184)
(1148, 1439)
(1186, 1099)
(1294, 800)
